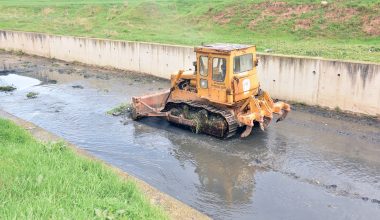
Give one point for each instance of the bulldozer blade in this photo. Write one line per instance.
(150, 105)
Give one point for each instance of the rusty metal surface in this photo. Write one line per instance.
(224, 47)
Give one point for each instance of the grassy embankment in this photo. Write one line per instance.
(340, 29)
(49, 181)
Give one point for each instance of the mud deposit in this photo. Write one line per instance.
(307, 167)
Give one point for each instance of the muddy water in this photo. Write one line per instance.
(308, 166)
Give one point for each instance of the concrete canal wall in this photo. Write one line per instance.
(351, 86)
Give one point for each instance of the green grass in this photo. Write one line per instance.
(32, 95)
(340, 30)
(49, 181)
(7, 88)
(120, 109)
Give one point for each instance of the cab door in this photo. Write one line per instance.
(218, 72)
(203, 75)
(245, 79)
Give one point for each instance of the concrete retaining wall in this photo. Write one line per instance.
(156, 59)
(351, 86)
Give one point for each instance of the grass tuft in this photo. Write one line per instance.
(7, 88)
(32, 95)
(121, 109)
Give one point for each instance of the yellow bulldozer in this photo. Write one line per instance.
(222, 95)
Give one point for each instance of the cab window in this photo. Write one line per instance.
(203, 65)
(218, 69)
(243, 63)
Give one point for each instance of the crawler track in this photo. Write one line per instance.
(231, 124)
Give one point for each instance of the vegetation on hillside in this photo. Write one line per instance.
(338, 29)
(49, 181)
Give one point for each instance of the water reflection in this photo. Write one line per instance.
(227, 176)
(225, 168)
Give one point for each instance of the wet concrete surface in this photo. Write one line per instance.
(308, 166)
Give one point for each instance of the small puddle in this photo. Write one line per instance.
(300, 168)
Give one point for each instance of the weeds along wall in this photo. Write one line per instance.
(349, 86)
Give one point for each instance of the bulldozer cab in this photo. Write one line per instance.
(226, 73)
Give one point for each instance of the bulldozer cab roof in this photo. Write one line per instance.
(223, 48)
